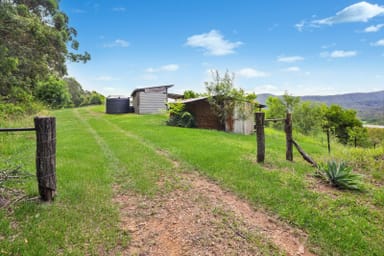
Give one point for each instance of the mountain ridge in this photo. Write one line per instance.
(368, 105)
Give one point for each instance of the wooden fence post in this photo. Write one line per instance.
(46, 156)
(329, 141)
(288, 137)
(260, 138)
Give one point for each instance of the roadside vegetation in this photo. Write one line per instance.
(36, 43)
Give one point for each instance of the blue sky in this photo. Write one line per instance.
(299, 46)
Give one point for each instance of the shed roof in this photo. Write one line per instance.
(206, 97)
(194, 99)
(150, 87)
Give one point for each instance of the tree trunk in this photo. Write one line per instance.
(46, 156)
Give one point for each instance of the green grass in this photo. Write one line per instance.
(95, 151)
(346, 224)
(90, 160)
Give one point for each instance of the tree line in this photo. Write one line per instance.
(36, 41)
(312, 118)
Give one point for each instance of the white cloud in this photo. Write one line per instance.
(289, 59)
(268, 88)
(300, 26)
(151, 70)
(359, 12)
(342, 54)
(292, 69)
(379, 43)
(118, 9)
(251, 73)
(169, 68)
(213, 42)
(327, 46)
(373, 28)
(117, 43)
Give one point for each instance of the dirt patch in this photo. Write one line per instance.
(199, 218)
(320, 186)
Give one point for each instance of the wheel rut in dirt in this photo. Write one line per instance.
(192, 215)
(198, 217)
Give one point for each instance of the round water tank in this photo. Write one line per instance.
(117, 105)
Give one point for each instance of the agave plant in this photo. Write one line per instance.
(338, 174)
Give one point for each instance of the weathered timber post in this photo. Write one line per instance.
(260, 138)
(46, 156)
(328, 141)
(288, 137)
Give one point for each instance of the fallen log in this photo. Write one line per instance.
(304, 155)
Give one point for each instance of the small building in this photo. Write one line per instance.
(150, 100)
(202, 113)
(205, 118)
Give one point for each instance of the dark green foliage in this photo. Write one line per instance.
(358, 136)
(303, 120)
(33, 48)
(311, 117)
(369, 106)
(80, 97)
(189, 94)
(75, 90)
(179, 117)
(339, 175)
(376, 136)
(276, 109)
(339, 121)
(92, 98)
(307, 117)
(53, 92)
(290, 102)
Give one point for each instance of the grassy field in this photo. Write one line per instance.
(96, 151)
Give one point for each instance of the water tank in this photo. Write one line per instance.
(117, 105)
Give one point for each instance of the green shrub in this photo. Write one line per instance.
(179, 117)
(12, 111)
(339, 175)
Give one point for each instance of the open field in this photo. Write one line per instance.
(128, 184)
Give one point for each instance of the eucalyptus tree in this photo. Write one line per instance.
(36, 41)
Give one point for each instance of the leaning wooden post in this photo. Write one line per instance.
(288, 137)
(260, 138)
(46, 156)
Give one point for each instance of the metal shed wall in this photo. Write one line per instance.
(150, 102)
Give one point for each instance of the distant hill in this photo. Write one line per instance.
(369, 106)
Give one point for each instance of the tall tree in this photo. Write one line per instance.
(35, 35)
(224, 97)
(75, 90)
(307, 117)
(338, 121)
